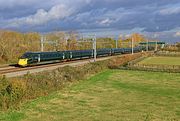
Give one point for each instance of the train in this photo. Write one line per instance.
(38, 58)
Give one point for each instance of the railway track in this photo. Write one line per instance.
(13, 69)
(7, 67)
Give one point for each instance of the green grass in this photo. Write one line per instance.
(113, 95)
(161, 60)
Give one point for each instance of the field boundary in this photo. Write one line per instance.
(133, 62)
(154, 68)
(134, 65)
(167, 53)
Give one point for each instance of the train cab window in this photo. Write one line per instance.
(26, 55)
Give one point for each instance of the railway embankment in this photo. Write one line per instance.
(14, 91)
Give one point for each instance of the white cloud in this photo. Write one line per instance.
(42, 16)
(59, 10)
(170, 10)
(105, 22)
(103, 17)
(45, 15)
(177, 34)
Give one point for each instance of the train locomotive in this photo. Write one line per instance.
(37, 58)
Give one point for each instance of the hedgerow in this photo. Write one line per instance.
(123, 60)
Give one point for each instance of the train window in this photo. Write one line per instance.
(25, 56)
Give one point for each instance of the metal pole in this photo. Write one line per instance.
(156, 46)
(56, 45)
(132, 45)
(94, 44)
(147, 45)
(42, 43)
(116, 44)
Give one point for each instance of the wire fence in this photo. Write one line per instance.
(134, 65)
(167, 53)
(153, 67)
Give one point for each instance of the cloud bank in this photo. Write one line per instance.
(120, 15)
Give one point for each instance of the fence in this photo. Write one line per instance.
(155, 68)
(134, 65)
(167, 53)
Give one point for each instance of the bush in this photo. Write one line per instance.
(123, 60)
(4, 100)
(11, 93)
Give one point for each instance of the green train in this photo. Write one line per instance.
(37, 58)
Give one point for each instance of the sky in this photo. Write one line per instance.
(159, 19)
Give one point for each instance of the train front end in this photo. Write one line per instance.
(23, 62)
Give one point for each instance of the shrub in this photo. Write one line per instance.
(123, 60)
(4, 99)
(11, 93)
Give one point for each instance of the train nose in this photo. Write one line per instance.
(22, 62)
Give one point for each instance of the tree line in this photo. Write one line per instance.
(13, 44)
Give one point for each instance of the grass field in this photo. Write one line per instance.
(162, 60)
(114, 95)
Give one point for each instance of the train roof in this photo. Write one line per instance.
(48, 52)
(42, 52)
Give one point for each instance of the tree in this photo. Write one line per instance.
(14, 44)
(72, 41)
(178, 46)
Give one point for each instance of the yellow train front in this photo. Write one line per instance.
(37, 58)
(23, 62)
(24, 59)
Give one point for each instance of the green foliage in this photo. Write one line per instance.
(16, 90)
(111, 95)
(123, 60)
(11, 93)
(14, 44)
(178, 46)
(157, 64)
(161, 60)
(172, 48)
(4, 100)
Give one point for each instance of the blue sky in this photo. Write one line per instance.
(155, 18)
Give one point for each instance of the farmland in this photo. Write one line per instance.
(110, 95)
(162, 60)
